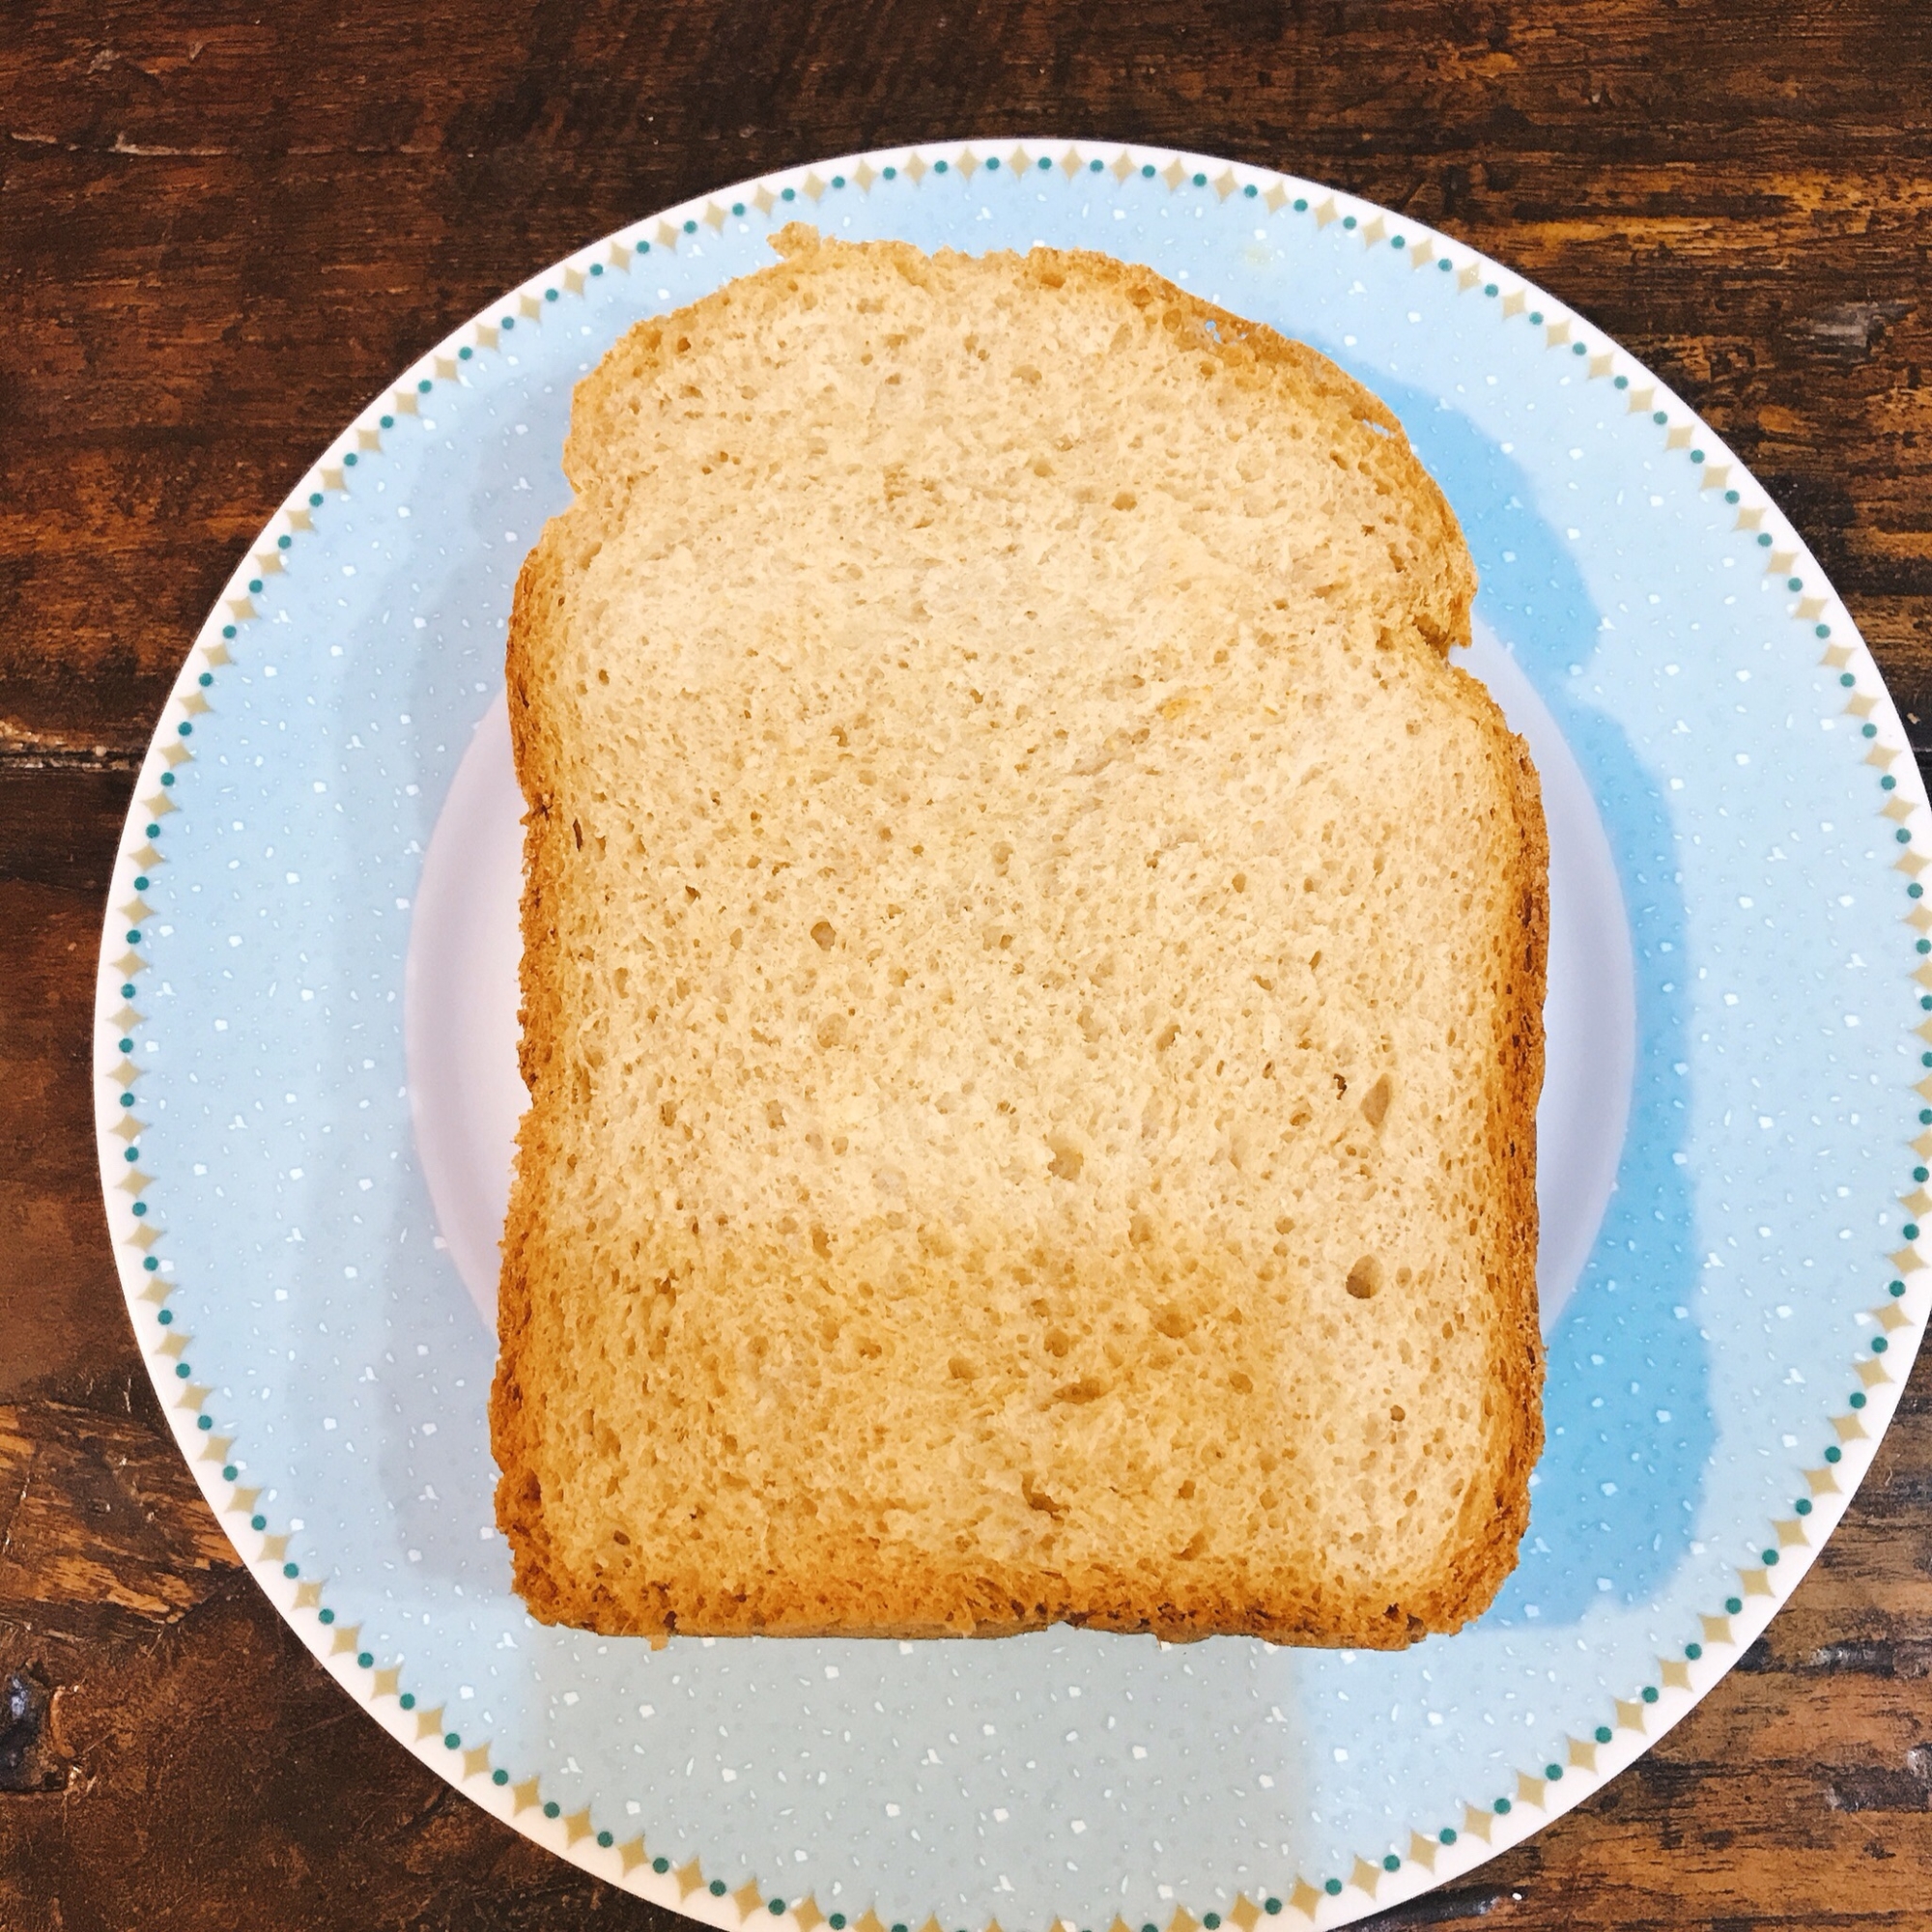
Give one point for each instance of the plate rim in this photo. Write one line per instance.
(1373, 1883)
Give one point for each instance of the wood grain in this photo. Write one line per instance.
(222, 228)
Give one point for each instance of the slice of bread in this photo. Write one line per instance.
(1032, 983)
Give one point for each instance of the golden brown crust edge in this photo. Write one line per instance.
(1493, 1515)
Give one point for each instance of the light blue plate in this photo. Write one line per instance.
(297, 1179)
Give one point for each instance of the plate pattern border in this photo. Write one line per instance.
(1878, 1358)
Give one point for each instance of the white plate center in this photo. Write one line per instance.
(460, 1015)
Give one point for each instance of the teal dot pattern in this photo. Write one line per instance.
(148, 1276)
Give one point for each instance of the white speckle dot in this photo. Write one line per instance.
(831, 1670)
(647, 1710)
(1340, 1755)
(1000, 1813)
(329, 1422)
(428, 1429)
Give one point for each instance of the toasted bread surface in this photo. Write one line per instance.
(1032, 983)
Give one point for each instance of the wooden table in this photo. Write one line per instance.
(223, 228)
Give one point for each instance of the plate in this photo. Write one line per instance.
(306, 1083)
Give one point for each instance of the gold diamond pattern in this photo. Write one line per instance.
(145, 1236)
(1904, 1260)
(865, 175)
(528, 306)
(216, 1448)
(665, 237)
(194, 1396)
(383, 1683)
(1639, 404)
(172, 1345)
(488, 336)
(134, 1180)
(175, 754)
(620, 256)
(128, 1127)
(159, 804)
(1243, 1913)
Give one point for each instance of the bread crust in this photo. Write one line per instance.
(899, 1595)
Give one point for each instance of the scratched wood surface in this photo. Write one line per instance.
(223, 227)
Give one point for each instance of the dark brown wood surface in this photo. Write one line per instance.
(223, 227)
